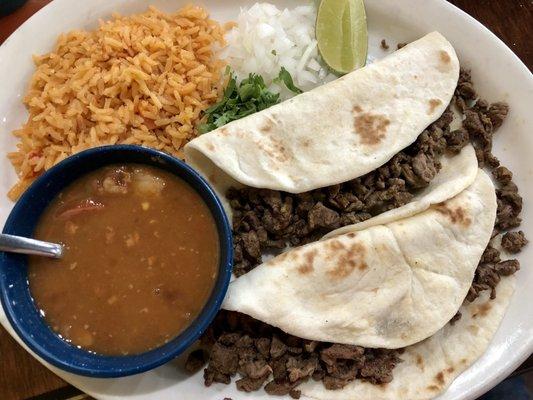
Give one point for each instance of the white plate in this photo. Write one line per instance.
(498, 75)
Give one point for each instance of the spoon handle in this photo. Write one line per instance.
(23, 245)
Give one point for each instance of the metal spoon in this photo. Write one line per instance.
(23, 245)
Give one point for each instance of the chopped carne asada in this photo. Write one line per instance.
(265, 356)
(512, 242)
(481, 120)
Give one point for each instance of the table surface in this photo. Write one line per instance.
(22, 377)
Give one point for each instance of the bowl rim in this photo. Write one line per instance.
(159, 355)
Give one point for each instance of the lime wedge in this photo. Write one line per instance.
(341, 34)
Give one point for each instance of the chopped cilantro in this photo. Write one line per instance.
(285, 77)
(248, 97)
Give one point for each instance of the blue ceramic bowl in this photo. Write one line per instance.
(15, 294)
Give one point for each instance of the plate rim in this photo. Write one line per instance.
(478, 388)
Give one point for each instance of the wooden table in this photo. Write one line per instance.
(22, 377)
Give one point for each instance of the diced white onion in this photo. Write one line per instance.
(268, 38)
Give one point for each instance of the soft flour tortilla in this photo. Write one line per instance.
(387, 286)
(429, 367)
(338, 131)
(456, 174)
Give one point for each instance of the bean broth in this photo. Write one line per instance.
(141, 259)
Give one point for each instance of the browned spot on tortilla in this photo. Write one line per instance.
(473, 329)
(342, 269)
(310, 255)
(304, 269)
(306, 143)
(444, 57)
(382, 247)
(267, 126)
(351, 235)
(457, 215)
(450, 370)
(375, 290)
(419, 362)
(282, 257)
(293, 255)
(274, 148)
(433, 388)
(482, 310)
(357, 248)
(307, 265)
(348, 259)
(433, 104)
(224, 131)
(274, 117)
(336, 245)
(463, 360)
(440, 378)
(371, 128)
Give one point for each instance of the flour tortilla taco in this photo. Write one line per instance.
(338, 131)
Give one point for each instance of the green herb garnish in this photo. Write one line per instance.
(285, 77)
(248, 97)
